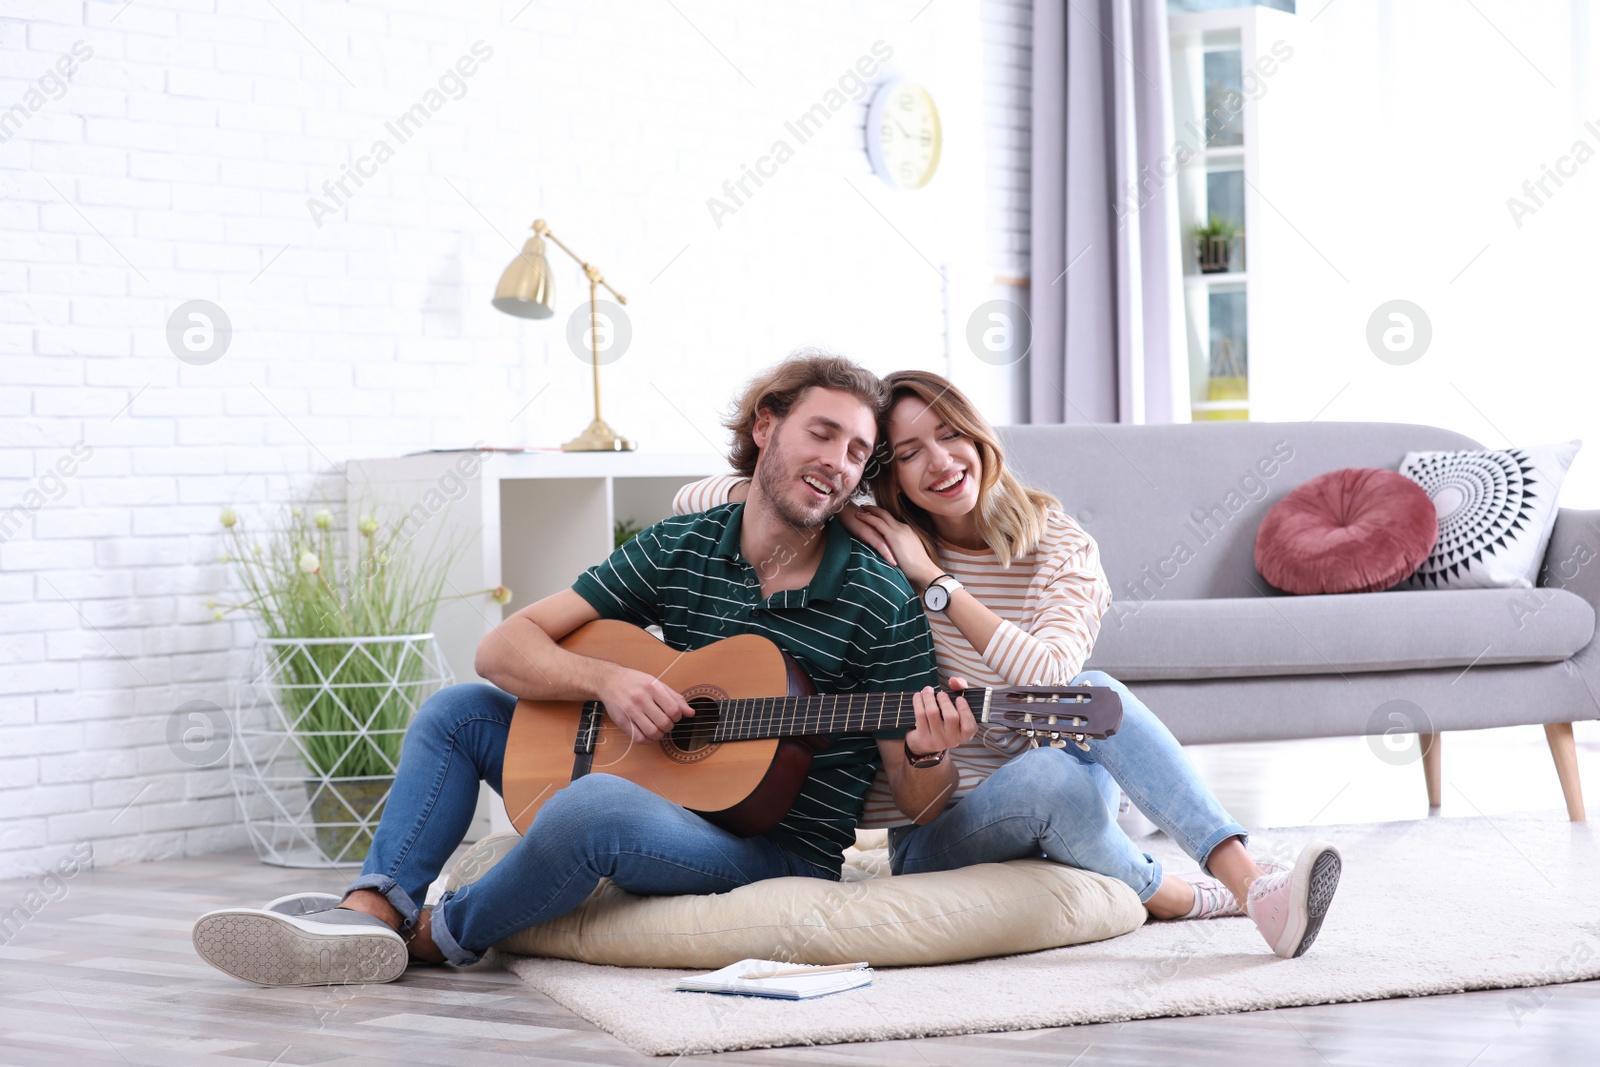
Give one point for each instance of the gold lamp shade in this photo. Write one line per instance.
(526, 289)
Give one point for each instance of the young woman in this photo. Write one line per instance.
(1014, 592)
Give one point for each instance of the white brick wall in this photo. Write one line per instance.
(1007, 91)
(177, 165)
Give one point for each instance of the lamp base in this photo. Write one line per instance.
(599, 438)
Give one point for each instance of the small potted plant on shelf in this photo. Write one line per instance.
(344, 657)
(1218, 245)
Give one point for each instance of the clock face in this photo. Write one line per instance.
(903, 135)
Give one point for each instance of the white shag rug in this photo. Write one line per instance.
(1425, 907)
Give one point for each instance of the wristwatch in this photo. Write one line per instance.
(922, 762)
(937, 596)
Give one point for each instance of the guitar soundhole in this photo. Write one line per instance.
(691, 739)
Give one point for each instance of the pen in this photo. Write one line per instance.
(808, 970)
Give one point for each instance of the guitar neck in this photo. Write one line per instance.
(748, 718)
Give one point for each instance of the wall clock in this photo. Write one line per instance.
(903, 135)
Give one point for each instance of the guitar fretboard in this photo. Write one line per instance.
(835, 713)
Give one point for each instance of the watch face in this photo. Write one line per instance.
(937, 598)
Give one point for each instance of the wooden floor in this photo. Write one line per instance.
(106, 975)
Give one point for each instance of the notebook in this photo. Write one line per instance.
(786, 987)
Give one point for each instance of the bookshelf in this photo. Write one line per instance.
(1227, 69)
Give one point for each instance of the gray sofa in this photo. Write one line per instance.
(1222, 656)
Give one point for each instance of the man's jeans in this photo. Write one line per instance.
(1062, 803)
(599, 826)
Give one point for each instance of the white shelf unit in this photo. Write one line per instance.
(531, 521)
(1211, 281)
(1257, 35)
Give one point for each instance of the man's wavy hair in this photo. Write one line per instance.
(779, 389)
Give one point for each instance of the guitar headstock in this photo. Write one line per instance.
(1054, 712)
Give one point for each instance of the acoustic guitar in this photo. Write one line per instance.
(742, 757)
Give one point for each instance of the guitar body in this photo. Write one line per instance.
(745, 787)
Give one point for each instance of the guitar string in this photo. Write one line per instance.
(748, 718)
(751, 717)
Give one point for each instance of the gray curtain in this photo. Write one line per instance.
(1106, 287)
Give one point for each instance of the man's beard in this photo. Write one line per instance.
(772, 474)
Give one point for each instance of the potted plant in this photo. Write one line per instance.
(1218, 245)
(344, 658)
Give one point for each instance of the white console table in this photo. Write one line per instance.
(531, 521)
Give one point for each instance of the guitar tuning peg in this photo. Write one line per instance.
(1079, 740)
(1058, 743)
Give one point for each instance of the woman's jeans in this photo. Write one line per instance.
(600, 826)
(1062, 803)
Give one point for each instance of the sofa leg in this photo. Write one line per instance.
(1431, 755)
(1564, 750)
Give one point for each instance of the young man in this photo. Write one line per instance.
(779, 566)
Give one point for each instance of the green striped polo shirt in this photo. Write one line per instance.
(856, 628)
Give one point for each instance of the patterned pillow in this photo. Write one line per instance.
(1496, 510)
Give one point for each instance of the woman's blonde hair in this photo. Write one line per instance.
(1010, 515)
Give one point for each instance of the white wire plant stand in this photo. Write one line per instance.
(317, 731)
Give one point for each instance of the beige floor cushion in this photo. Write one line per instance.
(993, 909)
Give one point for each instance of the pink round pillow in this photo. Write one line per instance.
(1356, 530)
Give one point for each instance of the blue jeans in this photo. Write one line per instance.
(600, 826)
(1061, 803)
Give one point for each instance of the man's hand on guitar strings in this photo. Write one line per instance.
(941, 723)
(641, 704)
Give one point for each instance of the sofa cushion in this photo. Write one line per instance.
(1356, 530)
(1496, 510)
(1340, 633)
(1175, 508)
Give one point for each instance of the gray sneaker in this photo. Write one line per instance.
(303, 903)
(270, 948)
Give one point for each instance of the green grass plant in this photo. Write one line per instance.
(304, 580)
